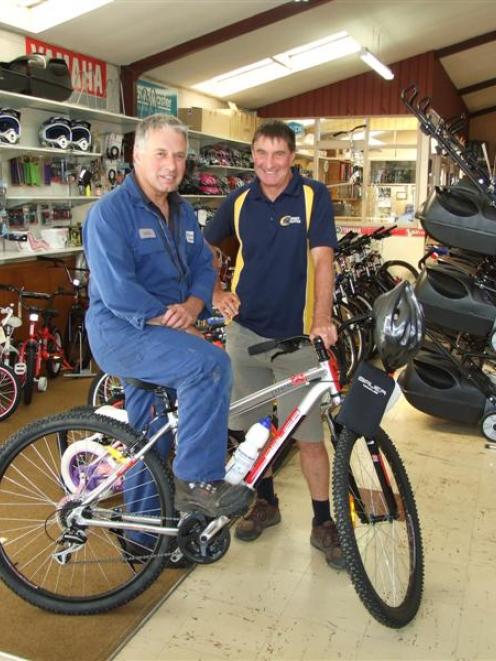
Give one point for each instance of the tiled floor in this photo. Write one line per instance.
(276, 599)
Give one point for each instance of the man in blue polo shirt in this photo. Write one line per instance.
(282, 286)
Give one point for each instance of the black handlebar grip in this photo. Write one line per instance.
(262, 347)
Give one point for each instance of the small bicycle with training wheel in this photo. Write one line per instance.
(87, 517)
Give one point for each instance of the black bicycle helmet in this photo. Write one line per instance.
(399, 326)
(81, 138)
(56, 132)
(10, 125)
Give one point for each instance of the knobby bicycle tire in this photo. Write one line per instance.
(389, 577)
(388, 273)
(10, 392)
(30, 358)
(37, 483)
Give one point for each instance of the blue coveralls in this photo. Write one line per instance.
(138, 267)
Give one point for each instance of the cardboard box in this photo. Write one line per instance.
(243, 125)
(212, 122)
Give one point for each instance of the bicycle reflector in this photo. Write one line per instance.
(56, 132)
(10, 125)
(81, 135)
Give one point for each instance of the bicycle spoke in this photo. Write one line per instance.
(378, 527)
(65, 565)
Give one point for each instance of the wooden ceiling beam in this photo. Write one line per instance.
(480, 40)
(482, 111)
(476, 87)
(231, 31)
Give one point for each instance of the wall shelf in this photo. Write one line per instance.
(14, 100)
(230, 168)
(20, 255)
(16, 151)
(203, 197)
(13, 200)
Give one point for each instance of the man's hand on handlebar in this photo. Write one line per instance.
(326, 329)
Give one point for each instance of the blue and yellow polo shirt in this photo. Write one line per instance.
(273, 274)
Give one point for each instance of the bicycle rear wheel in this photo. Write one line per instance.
(10, 392)
(54, 363)
(76, 343)
(378, 526)
(45, 469)
(105, 389)
(28, 387)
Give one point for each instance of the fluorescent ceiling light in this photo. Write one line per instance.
(284, 64)
(376, 64)
(38, 15)
(318, 52)
(243, 78)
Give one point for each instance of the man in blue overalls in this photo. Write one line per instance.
(151, 277)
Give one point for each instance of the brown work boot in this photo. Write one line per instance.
(214, 499)
(261, 516)
(325, 538)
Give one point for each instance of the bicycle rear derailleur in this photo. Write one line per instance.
(203, 540)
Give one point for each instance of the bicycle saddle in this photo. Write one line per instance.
(151, 387)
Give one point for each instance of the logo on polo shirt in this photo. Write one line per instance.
(289, 220)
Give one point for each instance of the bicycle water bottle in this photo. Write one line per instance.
(247, 452)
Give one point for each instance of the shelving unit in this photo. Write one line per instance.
(34, 111)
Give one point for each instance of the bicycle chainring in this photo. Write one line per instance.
(188, 540)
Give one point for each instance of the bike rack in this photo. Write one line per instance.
(444, 132)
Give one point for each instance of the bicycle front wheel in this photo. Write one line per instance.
(45, 470)
(378, 526)
(77, 347)
(10, 392)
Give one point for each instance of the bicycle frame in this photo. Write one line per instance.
(325, 379)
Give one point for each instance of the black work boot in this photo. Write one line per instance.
(213, 498)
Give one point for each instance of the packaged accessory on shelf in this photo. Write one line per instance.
(112, 146)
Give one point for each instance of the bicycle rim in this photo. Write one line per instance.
(105, 389)
(42, 468)
(54, 364)
(9, 392)
(380, 538)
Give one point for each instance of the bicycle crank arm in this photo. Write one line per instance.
(213, 528)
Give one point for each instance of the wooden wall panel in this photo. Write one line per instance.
(37, 275)
(369, 94)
